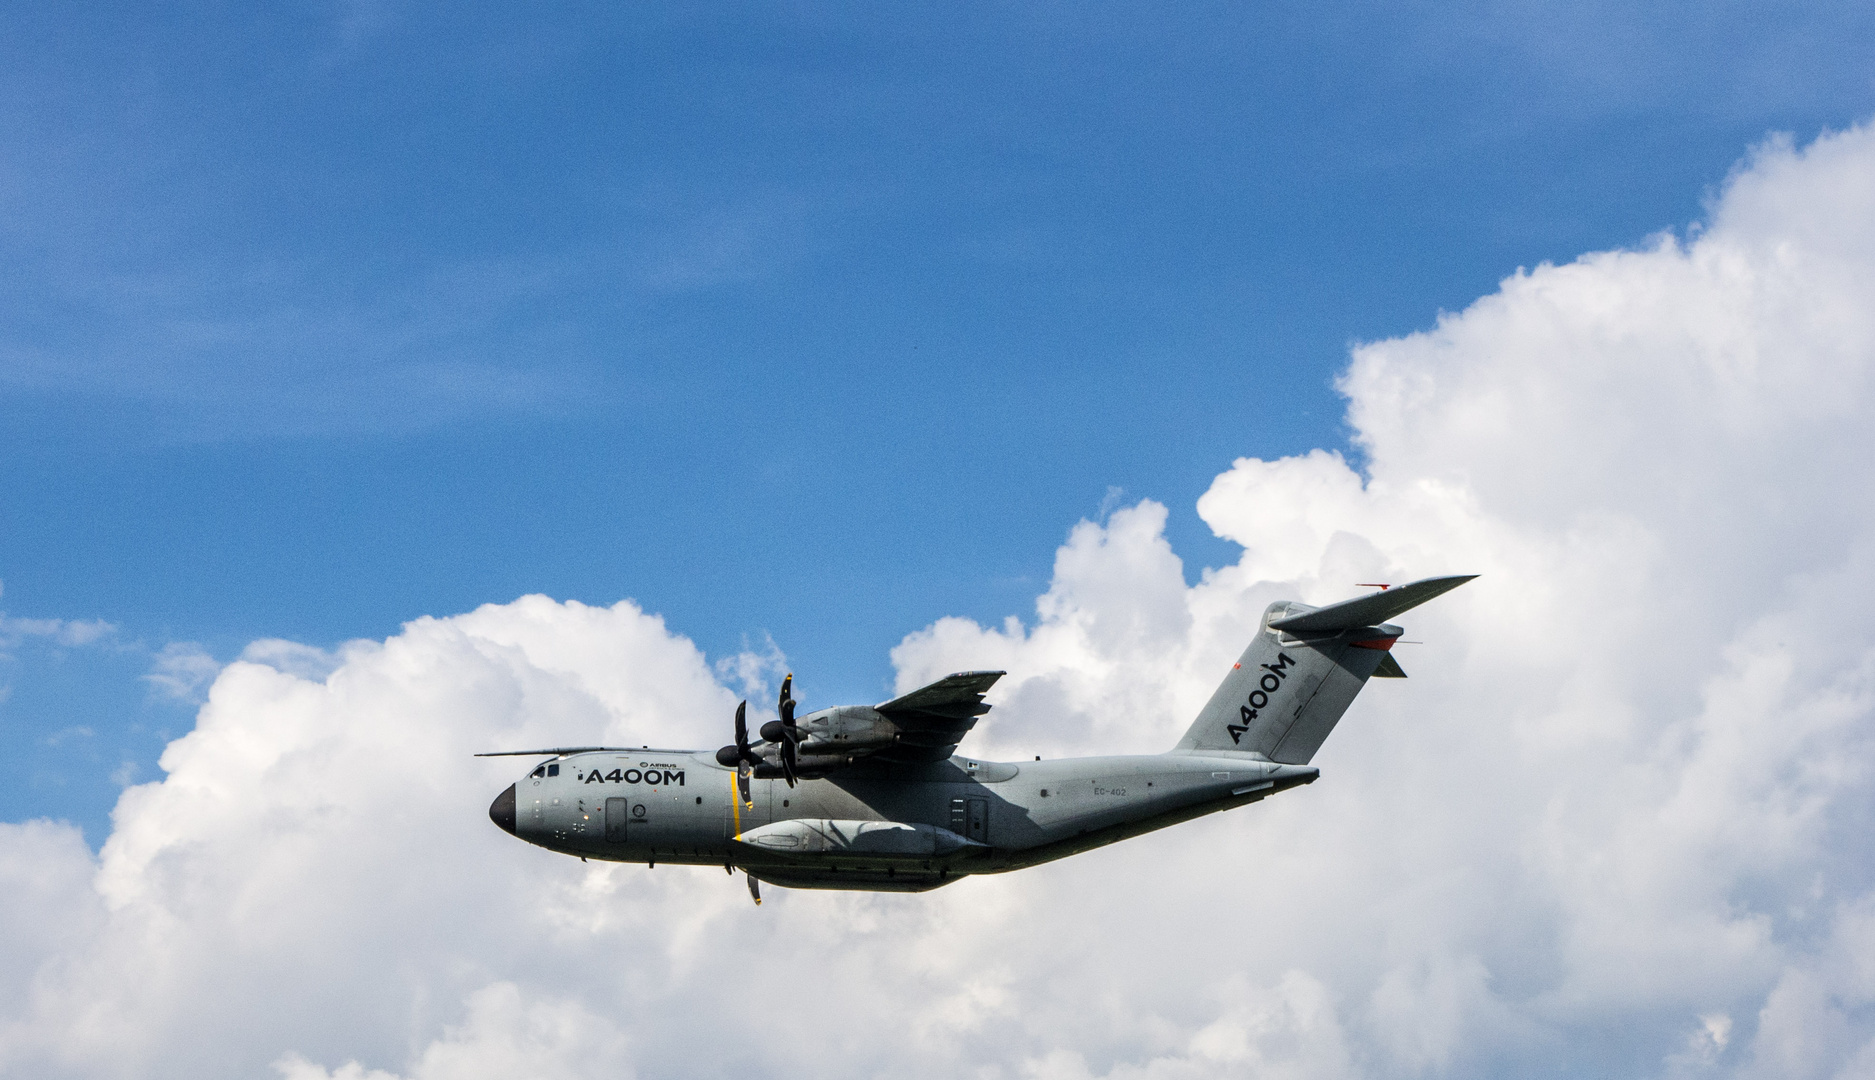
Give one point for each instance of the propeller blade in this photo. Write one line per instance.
(790, 734)
(755, 890)
(741, 755)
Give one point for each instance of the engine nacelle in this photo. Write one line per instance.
(846, 729)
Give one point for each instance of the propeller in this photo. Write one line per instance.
(790, 734)
(741, 756)
(784, 733)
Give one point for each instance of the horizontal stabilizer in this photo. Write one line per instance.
(1370, 610)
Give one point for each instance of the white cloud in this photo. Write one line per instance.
(181, 670)
(1615, 823)
(293, 658)
(503, 1035)
(755, 671)
(68, 632)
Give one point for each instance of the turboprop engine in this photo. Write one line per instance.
(823, 742)
(816, 745)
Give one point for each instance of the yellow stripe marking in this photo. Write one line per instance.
(735, 800)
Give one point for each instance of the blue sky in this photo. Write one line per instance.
(814, 321)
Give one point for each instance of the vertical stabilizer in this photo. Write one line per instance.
(1296, 679)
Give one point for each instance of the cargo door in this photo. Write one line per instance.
(977, 820)
(615, 816)
(970, 818)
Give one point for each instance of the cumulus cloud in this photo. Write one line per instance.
(292, 658)
(1614, 823)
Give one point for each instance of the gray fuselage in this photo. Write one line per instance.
(680, 806)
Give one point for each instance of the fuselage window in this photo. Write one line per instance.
(553, 770)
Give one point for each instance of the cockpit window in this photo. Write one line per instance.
(553, 770)
(538, 773)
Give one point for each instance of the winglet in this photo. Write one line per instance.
(1369, 610)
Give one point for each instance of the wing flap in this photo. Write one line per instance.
(933, 719)
(959, 695)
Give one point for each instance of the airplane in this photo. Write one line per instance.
(877, 798)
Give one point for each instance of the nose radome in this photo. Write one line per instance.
(501, 811)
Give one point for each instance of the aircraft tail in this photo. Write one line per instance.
(1290, 687)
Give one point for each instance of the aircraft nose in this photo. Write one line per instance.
(501, 811)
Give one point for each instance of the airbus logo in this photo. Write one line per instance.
(654, 777)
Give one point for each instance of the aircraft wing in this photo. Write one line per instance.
(933, 719)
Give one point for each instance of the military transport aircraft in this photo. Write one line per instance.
(876, 797)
